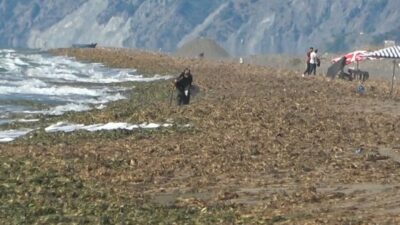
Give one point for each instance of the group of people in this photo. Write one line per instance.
(312, 61)
(183, 83)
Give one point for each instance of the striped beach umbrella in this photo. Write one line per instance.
(387, 53)
(390, 53)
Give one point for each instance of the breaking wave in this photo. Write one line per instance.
(37, 83)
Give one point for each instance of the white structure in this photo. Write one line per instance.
(389, 43)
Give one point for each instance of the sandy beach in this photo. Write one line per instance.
(262, 146)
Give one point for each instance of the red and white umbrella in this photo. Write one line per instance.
(351, 57)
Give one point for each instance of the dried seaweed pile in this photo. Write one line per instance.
(266, 146)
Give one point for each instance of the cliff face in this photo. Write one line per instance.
(242, 27)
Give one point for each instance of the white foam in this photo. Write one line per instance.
(110, 126)
(6, 50)
(69, 127)
(69, 70)
(150, 125)
(10, 135)
(41, 89)
(71, 107)
(101, 106)
(27, 120)
(9, 65)
(19, 62)
(62, 126)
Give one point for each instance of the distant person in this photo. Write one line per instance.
(308, 57)
(314, 61)
(183, 83)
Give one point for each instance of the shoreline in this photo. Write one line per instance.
(266, 145)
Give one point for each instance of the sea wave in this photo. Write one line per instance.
(62, 83)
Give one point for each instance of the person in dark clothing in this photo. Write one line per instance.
(308, 58)
(183, 84)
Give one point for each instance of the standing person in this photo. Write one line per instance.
(314, 61)
(183, 84)
(308, 57)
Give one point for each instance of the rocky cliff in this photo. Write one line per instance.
(242, 27)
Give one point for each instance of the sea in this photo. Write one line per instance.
(34, 83)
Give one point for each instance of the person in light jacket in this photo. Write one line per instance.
(314, 60)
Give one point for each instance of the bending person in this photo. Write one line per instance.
(183, 84)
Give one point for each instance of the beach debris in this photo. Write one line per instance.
(359, 150)
(302, 162)
(361, 89)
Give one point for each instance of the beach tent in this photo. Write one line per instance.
(387, 53)
(337, 66)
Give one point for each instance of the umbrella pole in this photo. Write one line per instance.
(357, 65)
(394, 72)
